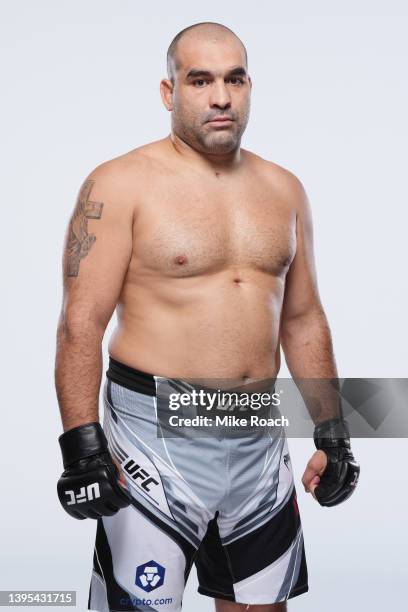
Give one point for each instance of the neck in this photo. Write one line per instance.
(212, 161)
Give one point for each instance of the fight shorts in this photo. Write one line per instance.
(226, 503)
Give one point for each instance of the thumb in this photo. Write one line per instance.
(121, 477)
(313, 484)
(314, 469)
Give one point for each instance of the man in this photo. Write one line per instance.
(205, 250)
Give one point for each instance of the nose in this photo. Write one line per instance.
(220, 96)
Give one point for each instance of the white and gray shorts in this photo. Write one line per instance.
(226, 503)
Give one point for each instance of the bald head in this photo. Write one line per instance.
(207, 77)
(206, 31)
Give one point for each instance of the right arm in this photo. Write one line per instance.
(97, 252)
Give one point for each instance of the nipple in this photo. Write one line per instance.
(181, 260)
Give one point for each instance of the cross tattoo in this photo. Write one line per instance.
(79, 241)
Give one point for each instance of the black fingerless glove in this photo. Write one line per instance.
(89, 486)
(340, 477)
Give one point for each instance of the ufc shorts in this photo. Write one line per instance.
(226, 503)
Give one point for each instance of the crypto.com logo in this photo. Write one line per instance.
(150, 576)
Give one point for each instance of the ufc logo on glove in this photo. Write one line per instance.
(91, 492)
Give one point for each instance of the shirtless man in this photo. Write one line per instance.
(205, 250)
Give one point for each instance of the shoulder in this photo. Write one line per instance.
(284, 183)
(119, 171)
(120, 180)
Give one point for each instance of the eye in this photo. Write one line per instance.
(199, 82)
(236, 80)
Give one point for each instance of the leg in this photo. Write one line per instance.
(228, 606)
(255, 556)
(141, 553)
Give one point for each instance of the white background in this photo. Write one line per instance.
(80, 85)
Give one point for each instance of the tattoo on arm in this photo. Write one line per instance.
(79, 241)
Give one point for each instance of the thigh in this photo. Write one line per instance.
(137, 565)
(143, 554)
(254, 552)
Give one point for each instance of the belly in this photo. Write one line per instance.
(221, 326)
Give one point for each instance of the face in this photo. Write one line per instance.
(210, 99)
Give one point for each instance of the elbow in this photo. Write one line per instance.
(75, 328)
(302, 327)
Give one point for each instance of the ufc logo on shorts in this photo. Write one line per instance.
(85, 494)
(137, 473)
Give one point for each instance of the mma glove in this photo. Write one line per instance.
(89, 486)
(340, 477)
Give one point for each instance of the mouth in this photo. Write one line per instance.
(220, 121)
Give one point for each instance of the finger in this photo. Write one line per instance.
(308, 477)
(122, 482)
(319, 461)
(121, 477)
(314, 484)
(313, 471)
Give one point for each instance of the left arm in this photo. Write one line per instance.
(306, 341)
(305, 333)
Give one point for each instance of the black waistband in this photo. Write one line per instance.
(133, 379)
(143, 382)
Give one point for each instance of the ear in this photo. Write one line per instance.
(166, 92)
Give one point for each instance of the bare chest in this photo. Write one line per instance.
(190, 230)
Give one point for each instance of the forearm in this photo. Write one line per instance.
(307, 344)
(78, 372)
